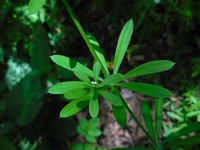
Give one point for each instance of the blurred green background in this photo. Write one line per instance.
(164, 29)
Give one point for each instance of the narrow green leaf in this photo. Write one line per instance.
(98, 51)
(119, 111)
(75, 93)
(188, 141)
(150, 68)
(71, 64)
(112, 79)
(81, 75)
(35, 5)
(147, 89)
(122, 44)
(96, 70)
(94, 107)
(63, 87)
(75, 106)
(175, 116)
(113, 99)
(120, 114)
(158, 116)
(146, 113)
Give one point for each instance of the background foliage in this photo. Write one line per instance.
(163, 30)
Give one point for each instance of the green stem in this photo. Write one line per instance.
(137, 121)
(134, 117)
(83, 34)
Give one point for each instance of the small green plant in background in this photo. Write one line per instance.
(99, 82)
(89, 130)
(183, 111)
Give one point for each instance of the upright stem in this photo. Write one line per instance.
(83, 34)
(134, 117)
(137, 121)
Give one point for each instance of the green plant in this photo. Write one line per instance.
(93, 86)
(90, 131)
(184, 111)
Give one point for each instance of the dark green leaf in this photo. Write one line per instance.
(98, 51)
(96, 70)
(188, 141)
(1, 55)
(119, 111)
(40, 50)
(89, 147)
(149, 68)
(63, 87)
(120, 114)
(113, 99)
(146, 113)
(75, 106)
(147, 89)
(23, 103)
(35, 6)
(158, 116)
(71, 64)
(112, 79)
(122, 44)
(6, 145)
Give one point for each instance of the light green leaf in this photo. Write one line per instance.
(150, 68)
(112, 79)
(193, 127)
(96, 70)
(174, 116)
(146, 113)
(158, 116)
(120, 114)
(98, 51)
(95, 132)
(75, 93)
(63, 87)
(82, 76)
(193, 113)
(91, 139)
(113, 99)
(71, 64)
(147, 89)
(94, 123)
(35, 5)
(122, 44)
(94, 107)
(75, 106)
